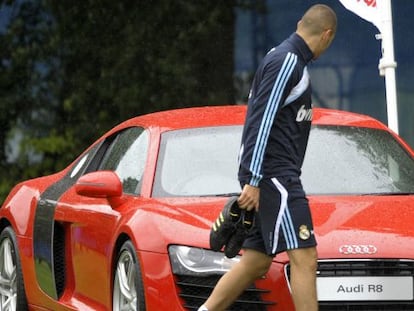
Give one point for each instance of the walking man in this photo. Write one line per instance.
(274, 141)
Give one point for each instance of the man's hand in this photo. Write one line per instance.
(249, 198)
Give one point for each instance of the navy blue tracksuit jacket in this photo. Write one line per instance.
(279, 114)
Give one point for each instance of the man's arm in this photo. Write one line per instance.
(270, 95)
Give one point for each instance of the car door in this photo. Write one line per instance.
(74, 234)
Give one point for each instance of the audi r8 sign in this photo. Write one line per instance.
(365, 288)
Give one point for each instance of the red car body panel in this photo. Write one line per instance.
(94, 226)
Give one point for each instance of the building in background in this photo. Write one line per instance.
(346, 77)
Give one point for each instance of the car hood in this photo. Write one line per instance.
(345, 226)
(364, 226)
(184, 221)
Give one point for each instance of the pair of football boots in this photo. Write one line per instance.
(231, 228)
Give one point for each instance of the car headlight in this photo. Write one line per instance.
(187, 260)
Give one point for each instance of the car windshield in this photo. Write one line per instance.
(355, 160)
(339, 160)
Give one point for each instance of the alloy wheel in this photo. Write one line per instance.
(125, 291)
(8, 281)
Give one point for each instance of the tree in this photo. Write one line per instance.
(71, 70)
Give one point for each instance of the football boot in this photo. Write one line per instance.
(225, 224)
(243, 227)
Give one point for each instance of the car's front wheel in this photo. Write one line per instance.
(12, 294)
(128, 290)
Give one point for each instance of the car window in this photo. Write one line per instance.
(200, 161)
(339, 160)
(82, 163)
(127, 155)
(354, 160)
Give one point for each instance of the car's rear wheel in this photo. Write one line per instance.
(128, 289)
(12, 294)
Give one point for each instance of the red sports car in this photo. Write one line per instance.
(126, 226)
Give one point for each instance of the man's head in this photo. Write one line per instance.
(318, 28)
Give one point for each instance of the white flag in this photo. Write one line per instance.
(369, 10)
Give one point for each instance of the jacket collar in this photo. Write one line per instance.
(301, 46)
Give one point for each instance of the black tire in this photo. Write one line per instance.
(127, 276)
(12, 293)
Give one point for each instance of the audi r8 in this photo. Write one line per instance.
(126, 225)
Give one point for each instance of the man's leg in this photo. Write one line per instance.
(303, 263)
(253, 265)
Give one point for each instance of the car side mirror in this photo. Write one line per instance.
(100, 184)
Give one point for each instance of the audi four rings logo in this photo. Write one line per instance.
(351, 249)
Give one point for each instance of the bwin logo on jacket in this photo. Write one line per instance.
(304, 114)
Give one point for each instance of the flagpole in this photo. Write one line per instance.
(379, 13)
(387, 63)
